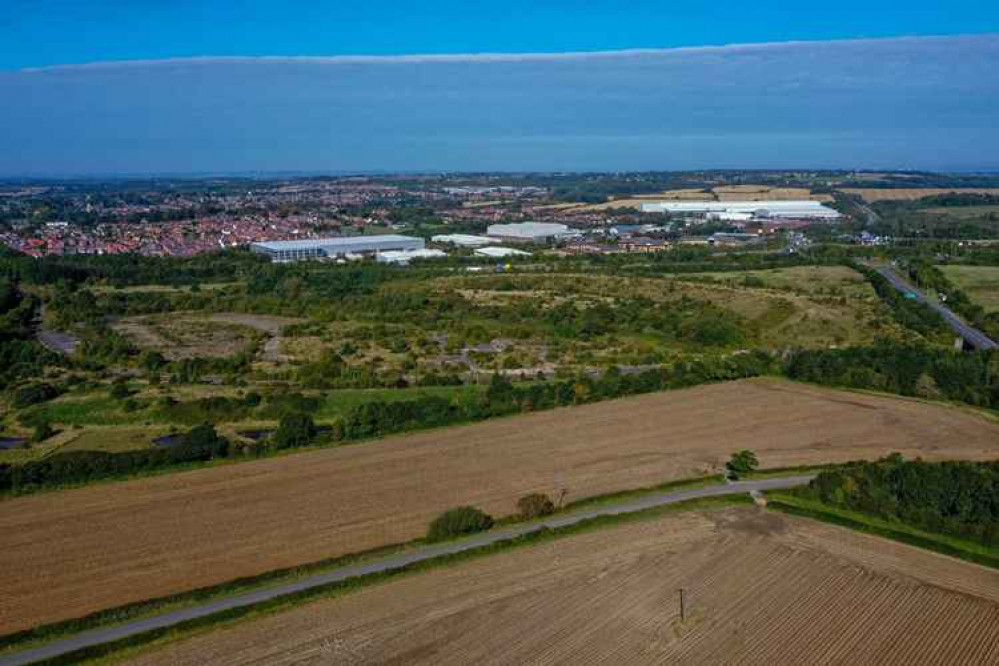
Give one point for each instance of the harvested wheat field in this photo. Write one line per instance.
(759, 588)
(64, 554)
(913, 193)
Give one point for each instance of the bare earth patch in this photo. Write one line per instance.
(759, 588)
(68, 553)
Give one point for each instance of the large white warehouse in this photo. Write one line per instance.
(530, 232)
(804, 209)
(321, 248)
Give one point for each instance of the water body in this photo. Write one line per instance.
(12, 442)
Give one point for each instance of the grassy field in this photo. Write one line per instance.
(724, 193)
(182, 335)
(93, 421)
(800, 307)
(839, 280)
(981, 283)
(759, 588)
(911, 194)
(963, 211)
(74, 552)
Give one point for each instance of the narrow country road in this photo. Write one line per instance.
(971, 335)
(388, 563)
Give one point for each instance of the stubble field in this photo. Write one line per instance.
(872, 194)
(759, 588)
(65, 554)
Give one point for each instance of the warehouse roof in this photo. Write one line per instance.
(342, 241)
(529, 230)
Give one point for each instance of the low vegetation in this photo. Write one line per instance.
(458, 522)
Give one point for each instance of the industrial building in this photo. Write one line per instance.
(729, 239)
(745, 210)
(403, 257)
(343, 246)
(462, 240)
(530, 232)
(496, 252)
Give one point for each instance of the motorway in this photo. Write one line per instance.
(971, 335)
(103, 635)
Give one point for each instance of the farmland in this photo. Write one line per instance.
(760, 588)
(77, 551)
(723, 193)
(912, 194)
(981, 283)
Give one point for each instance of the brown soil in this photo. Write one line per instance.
(759, 588)
(65, 554)
(910, 194)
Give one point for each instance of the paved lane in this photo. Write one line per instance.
(971, 335)
(171, 618)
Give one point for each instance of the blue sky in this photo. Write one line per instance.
(49, 32)
(843, 98)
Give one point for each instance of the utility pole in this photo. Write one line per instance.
(683, 610)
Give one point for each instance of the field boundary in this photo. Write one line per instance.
(140, 609)
(162, 634)
(941, 544)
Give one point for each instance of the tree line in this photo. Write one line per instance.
(956, 498)
(373, 420)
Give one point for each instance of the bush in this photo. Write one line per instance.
(455, 522)
(295, 430)
(202, 443)
(535, 505)
(43, 430)
(743, 461)
(33, 394)
(119, 391)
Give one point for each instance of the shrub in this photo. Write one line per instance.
(202, 443)
(455, 522)
(743, 461)
(33, 394)
(295, 430)
(43, 430)
(535, 505)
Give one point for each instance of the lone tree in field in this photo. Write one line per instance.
(535, 505)
(455, 522)
(743, 461)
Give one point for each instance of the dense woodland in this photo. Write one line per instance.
(956, 498)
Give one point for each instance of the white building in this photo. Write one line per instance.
(530, 232)
(497, 252)
(342, 246)
(462, 240)
(805, 209)
(403, 257)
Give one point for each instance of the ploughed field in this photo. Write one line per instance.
(759, 588)
(65, 554)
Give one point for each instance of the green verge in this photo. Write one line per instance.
(129, 646)
(897, 531)
(42, 634)
(777, 472)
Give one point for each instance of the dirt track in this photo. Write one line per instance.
(66, 554)
(759, 589)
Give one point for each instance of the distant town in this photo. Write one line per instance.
(492, 215)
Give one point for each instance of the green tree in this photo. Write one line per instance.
(458, 521)
(43, 430)
(295, 430)
(743, 461)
